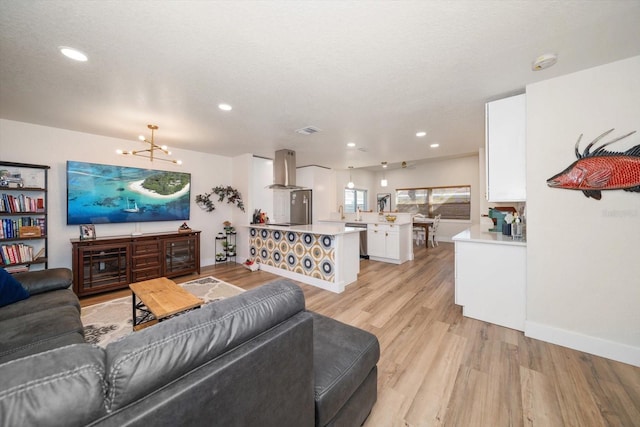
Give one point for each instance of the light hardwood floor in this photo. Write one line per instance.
(439, 368)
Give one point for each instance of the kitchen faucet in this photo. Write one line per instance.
(341, 210)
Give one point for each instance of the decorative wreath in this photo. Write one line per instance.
(233, 196)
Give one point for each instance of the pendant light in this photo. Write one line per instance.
(350, 184)
(383, 181)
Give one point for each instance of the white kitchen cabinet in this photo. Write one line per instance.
(490, 278)
(383, 242)
(506, 149)
(322, 181)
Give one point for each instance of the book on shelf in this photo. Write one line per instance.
(22, 227)
(39, 254)
(17, 253)
(12, 269)
(21, 203)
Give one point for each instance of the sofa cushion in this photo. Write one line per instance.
(39, 331)
(37, 282)
(155, 356)
(343, 357)
(10, 289)
(61, 387)
(40, 302)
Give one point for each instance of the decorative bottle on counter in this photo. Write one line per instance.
(516, 229)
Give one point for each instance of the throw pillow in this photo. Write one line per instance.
(10, 289)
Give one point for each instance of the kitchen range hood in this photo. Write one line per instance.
(284, 171)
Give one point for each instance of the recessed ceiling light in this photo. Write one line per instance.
(421, 134)
(384, 165)
(225, 107)
(72, 53)
(434, 145)
(351, 144)
(544, 61)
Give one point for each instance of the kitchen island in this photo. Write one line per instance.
(322, 255)
(387, 241)
(490, 277)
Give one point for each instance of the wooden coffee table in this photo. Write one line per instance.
(161, 298)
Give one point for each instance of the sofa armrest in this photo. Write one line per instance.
(37, 282)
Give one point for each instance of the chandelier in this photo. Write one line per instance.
(151, 152)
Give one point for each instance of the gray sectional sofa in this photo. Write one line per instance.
(48, 319)
(256, 359)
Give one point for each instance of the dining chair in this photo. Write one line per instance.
(418, 235)
(433, 229)
(418, 232)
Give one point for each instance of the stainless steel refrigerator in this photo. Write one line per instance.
(300, 207)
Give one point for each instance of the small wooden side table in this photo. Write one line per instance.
(161, 298)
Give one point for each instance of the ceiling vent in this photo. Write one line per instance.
(309, 130)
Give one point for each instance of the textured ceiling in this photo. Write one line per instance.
(369, 72)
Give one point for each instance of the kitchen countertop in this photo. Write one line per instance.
(325, 229)
(479, 234)
(347, 221)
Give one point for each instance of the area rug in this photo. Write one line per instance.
(109, 321)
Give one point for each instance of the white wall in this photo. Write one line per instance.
(243, 178)
(438, 173)
(261, 176)
(583, 268)
(362, 179)
(28, 143)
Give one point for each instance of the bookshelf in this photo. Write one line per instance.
(23, 216)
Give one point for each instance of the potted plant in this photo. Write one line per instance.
(232, 195)
(231, 250)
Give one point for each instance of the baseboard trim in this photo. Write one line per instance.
(597, 346)
(323, 284)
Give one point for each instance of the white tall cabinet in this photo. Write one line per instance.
(322, 182)
(506, 149)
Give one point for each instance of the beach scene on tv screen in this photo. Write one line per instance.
(98, 194)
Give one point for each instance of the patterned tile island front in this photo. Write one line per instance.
(325, 255)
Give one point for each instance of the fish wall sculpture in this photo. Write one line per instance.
(599, 170)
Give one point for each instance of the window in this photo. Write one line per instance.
(451, 202)
(354, 199)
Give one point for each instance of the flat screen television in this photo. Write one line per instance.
(100, 194)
